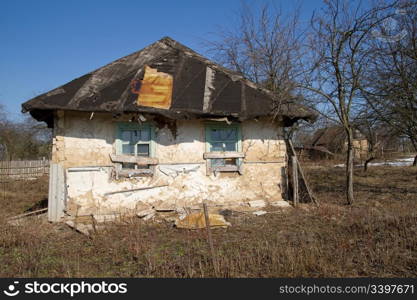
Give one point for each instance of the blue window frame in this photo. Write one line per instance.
(135, 139)
(223, 138)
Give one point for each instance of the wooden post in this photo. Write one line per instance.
(286, 180)
(93, 223)
(294, 180)
(210, 239)
(57, 193)
(309, 191)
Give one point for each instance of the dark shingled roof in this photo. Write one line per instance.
(108, 89)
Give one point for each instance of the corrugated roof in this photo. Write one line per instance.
(200, 88)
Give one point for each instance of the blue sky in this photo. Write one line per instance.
(46, 43)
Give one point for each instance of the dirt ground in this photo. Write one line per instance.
(374, 237)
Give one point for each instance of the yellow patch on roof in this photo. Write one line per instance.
(156, 89)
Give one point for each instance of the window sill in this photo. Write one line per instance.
(119, 160)
(138, 160)
(226, 154)
(238, 156)
(225, 169)
(129, 173)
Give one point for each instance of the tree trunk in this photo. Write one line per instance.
(349, 169)
(365, 166)
(413, 141)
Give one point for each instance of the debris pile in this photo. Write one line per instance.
(191, 217)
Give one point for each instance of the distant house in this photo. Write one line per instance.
(163, 127)
(326, 142)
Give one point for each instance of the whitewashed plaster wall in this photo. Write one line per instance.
(82, 140)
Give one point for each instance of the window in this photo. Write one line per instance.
(135, 141)
(223, 143)
(134, 144)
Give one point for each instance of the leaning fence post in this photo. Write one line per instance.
(210, 239)
(294, 180)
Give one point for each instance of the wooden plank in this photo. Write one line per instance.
(226, 168)
(210, 238)
(217, 154)
(51, 193)
(84, 169)
(62, 191)
(134, 172)
(57, 193)
(240, 166)
(208, 167)
(138, 160)
(309, 191)
(294, 180)
(286, 180)
(28, 214)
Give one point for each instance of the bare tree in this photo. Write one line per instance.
(390, 86)
(26, 139)
(4, 133)
(334, 68)
(264, 47)
(267, 49)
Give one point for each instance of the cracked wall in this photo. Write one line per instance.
(82, 140)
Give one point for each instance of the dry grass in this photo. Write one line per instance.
(377, 236)
(20, 196)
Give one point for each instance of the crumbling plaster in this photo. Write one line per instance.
(82, 139)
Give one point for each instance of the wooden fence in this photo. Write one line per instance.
(23, 169)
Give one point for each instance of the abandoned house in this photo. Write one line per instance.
(328, 141)
(163, 127)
